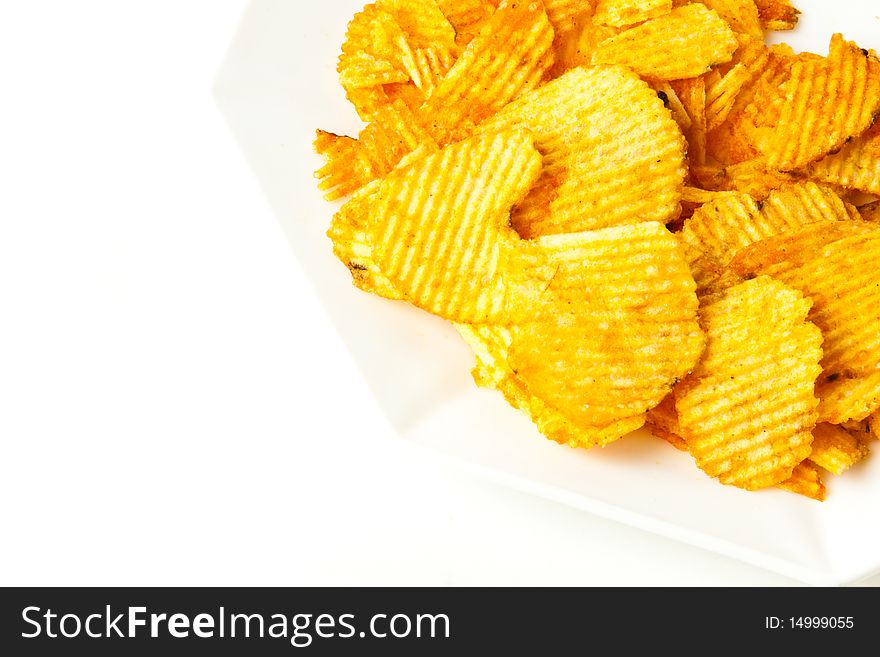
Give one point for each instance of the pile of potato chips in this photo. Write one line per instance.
(635, 212)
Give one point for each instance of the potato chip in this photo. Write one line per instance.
(833, 264)
(422, 21)
(685, 43)
(352, 163)
(805, 480)
(835, 449)
(439, 228)
(846, 399)
(777, 15)
(748, 410)
(491, 345)
(576, 48)
(466, 17)
(751, 177)
(512, 54)
(722, 92)
(823, 103)
(612, 154)
(663, 423)
(856, 166)
(351, 244)
(673, 103)
(622, 330)
(741, 15)
(692, 93)
(623, 13)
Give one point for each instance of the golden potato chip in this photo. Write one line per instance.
(466, 17)
(777, 15)
(731, 141)
(856, 166)
(622, 328)
(741, 15)
(833, 264)
(662, 420)
(612, 154)
(685, 43)
(351, 244)
(491, 345)
(751, 177)
(692, 93)
(846, 399)
(728, 224)
(748, 410)
(722, 92)
(835, 449)
(439, 228)
(576, 48)
(352, 163)
(622, 13)
(823, 103)
(673, 103)
(512, 54)
(805, 480)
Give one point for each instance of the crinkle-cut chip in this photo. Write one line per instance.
(362, 70)
(623, 13)
(741, 15)
(767, 68)
(422, 21)
(870, 212)
(352, 163)
(620, 326)
(348, 232)
(835, 449)
(726, 224)
(805, 480)
(748, 410)
(439, 228)
(576, 48)
(834, 265)
(751, 177)
(847, 399)
(778, 15)
(467, 17)
(662, 420)
(512, 54)
(685, 43)
(866, 430)
(673, 103)
(856, 166)
(722, 92)
(491, 345)
(612, 154)
(692, 93)
(563, 14)
(823, 103)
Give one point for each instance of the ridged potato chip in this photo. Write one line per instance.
(491, 346)
(685, 43)
(622, 328)
(612, 154)
(835, 449)
(833, 264)
(777, 15)
(856, 166)
(824, 102)
(440, 228)
(692, 93)
(512, 54)
(741, 15)
(623, 13)
(805, 480)
(751, 177)
(466, 17)
(845, 399)
(748, 410)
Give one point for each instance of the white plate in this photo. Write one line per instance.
(279, 84)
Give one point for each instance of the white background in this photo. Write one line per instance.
(175, 409)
